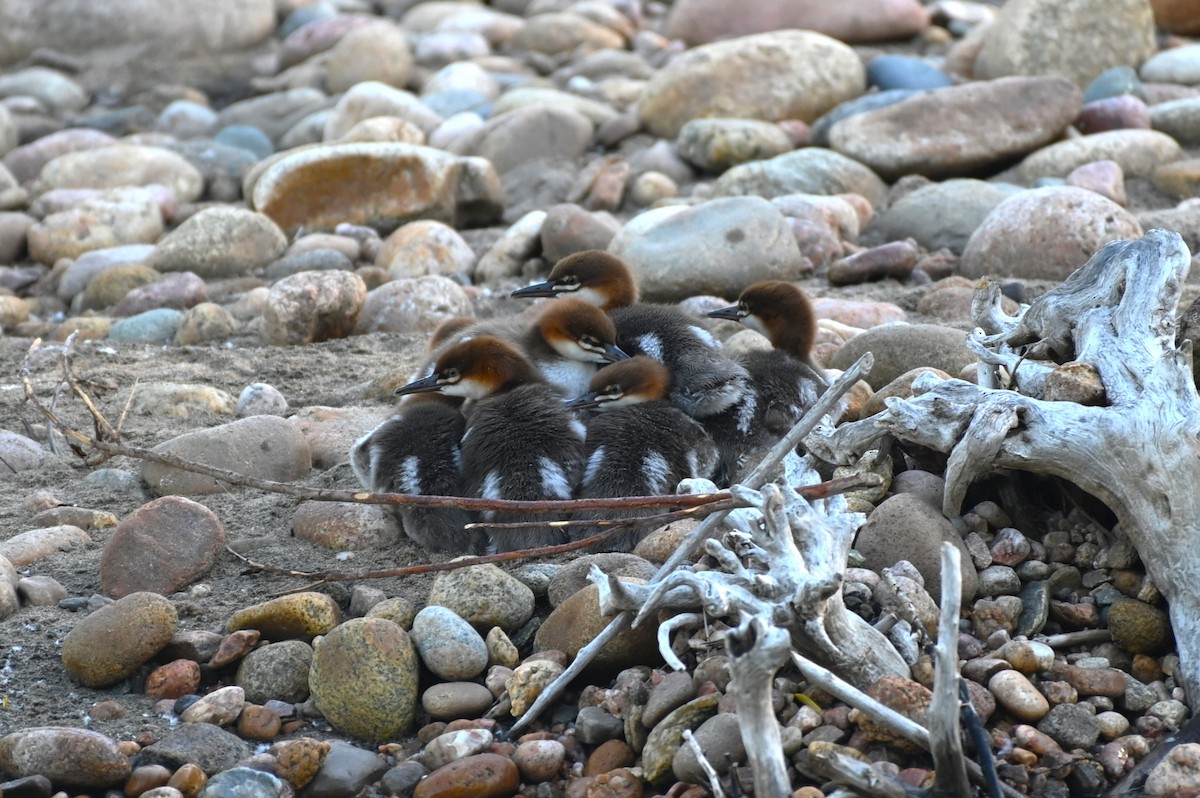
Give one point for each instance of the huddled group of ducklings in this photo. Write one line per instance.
(597, 396)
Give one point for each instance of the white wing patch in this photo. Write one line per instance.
(651, 346)
(492, 489)
(554, 479)
(656, 470)
(746, 411)
(579, 429)
(705, 337)
(410, 475)
(595, 461)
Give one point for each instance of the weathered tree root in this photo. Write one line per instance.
(1139, 453)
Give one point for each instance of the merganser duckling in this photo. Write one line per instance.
(703, 381)
(520, 442)
(567, 342)
(784, 381)
(417, 452)
(640, 444)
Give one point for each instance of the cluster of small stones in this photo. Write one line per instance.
(394, 169)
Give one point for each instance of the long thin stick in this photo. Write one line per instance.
(687, 548)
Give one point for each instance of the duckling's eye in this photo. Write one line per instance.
(450, 375)
(570, 282)
(612, 390)
(588, 340)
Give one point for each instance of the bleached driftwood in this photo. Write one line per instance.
(788, 572)
(780, 580)
(945, 737)
(1139, 452)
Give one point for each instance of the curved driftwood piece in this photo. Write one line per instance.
(1139, 452)
(945, 737)
(787, 572)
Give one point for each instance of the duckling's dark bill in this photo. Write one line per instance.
(424, 385)
(537, 289)
(613, 353)
(733, 313)
(587, 400)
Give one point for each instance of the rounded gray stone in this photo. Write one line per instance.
(276, 671)
(448, 645)
(905, 527)
(900, 348)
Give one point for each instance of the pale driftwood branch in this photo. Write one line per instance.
(1139, 454)
(757, 649)
(1083, 637)
(714, 780)
(859, 776)
(765, 575)
(883, 715)
(839, 688)
(755, 479)
(945, 737)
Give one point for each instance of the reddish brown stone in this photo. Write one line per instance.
(189, 780)
(146, 777)
(174, 679)
(258, 723)
(479, 776)
(234, 646)
(609, 755)
(161, 547)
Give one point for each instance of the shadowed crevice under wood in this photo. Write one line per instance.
(1140, 453)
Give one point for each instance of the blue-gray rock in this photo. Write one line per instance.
(402, 779)
(892, 71)
(594, 725)
(1179, 119)
(675, 690)
(940, 214)
(937, 134)
(209, 746)
(347, 770)
(242, 783)
(812, 170)
(156, 326)
(448, 645)
(246, 137)
(818, 134)
(900, 348)
(57, 92)
(718, 248)
(720, 738)
(313, 260)
(1176, 65)
(1113, 83)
